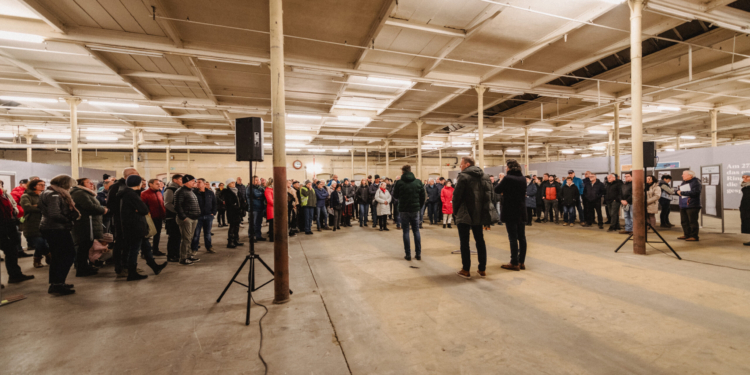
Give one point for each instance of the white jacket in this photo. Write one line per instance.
(383, 197)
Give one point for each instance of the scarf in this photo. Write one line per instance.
(648, 186)
(340, 196)
(745, 184)
(382, 189)
(65, 195)
(87, 190)
(234, 190)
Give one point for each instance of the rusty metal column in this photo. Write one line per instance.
(714, 127)
(29, 137)
(73, 102)
(636, 72)
(617, 139)
(419, 148)
(278, 108)
(480, 123)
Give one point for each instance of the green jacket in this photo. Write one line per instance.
(409, 192)
(309, 199)
(89, 207)
(472, 197)
(31, 213)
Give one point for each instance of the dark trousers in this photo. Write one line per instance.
(233, 235)
(205, 223)
(614, 214)
(9, 245)
(374, 211)
(581, 216)
(550, 207)
(270, 229)
(62, 250)
(292, 216)
(432, 212)
(383, 221)
(174, 238)
(40, 246)
(136, 245)
(82, 253)
(666, 208)
(463, 235)
(336, 218)
(258, 222)
(592, 207)
(158, 223)
(411, 219)
(221, 217)
(308, 211)
(517, 238)
(689, 221)
(529, 215)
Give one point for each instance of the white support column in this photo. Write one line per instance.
(526, 149)
(387, 160)
(617, 138)
(80, 158)
(474, 152)
(135, 149)
(168, 180)
(188, 160)
(678, 145)
(73, 102)
(609, 144)
(29, 137)
(636, 113)
(480, 123)
(714, 127)
(419, 148)
(366, 166)
(505, 159)
(546, 152)
(440, 161)
(351, 176)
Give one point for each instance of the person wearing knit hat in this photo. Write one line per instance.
(133, 181)
(187, 178)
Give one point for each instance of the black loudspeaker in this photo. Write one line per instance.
(649, 155)
(248, 139)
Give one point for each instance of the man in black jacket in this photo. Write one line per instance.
(170, 222)
(242, 195)
(208, 206)
(627, 204)
(410, 194)
(513, 189)
(593, 190)
(119, 253)
(188, 212)
(433, 197)
(471, 205)
(613, 199)
(372, 189)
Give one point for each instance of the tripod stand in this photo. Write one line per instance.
(251, 258)
(648, 225)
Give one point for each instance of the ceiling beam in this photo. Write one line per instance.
(154, 75)
(165, 25)
(369, 41)
(35, 73)
(442, 30)
(728, 18)
(115, 70)
(46, 16)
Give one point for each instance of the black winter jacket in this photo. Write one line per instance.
(206, 201)
(472, 197)
(614, 192)
(409, 192)
(132, 215)
(570, 195)
(232, 204)
(186, 204)
(745, 209)
(513, 189)
(627, 192)
(593, 192)
(433, 193)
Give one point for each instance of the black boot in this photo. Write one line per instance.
(156, 267)
(230, 243)
(133, 274)
(449, 226)
(444, 225)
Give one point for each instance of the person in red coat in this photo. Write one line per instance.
(155, 202)
(17, 193)
(269, 208)
(446, 196)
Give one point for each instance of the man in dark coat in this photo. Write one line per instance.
(471, 205)
(513, 188)
(231, 199)
(119, 253)
(188, 212)
(242, 196)
(612, 199)
(209, 207)
(410, 194)
(593, 190)
(690, 205)
(745, 205)
(372, 189)
(433, 198)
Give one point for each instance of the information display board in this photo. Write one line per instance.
(711, 194)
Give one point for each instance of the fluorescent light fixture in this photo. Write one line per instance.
(311, 117)
(229, 61)
(7, 135)
(460, 144)
(21, 37)
(210, 132)
(340, 150)
(354, 118)
(586, 155)
(356, 107)
(101, 138)
(668, 108)
(554, 96)
(513, 151)
(127, 51)
(299, 137)
(105, 130)
(267, 145)
(399, 82)
(687, 136)
(669, 149)
(316, 150)
(456, 86)
(53, 136)
(292, 150)
(469, 135)
(25, 99)
(115, 104)
(568, 152)
(599, 148)
(167, 131)
(295, 144)
(542, 130)
(649, 109)
(463, 153)
(509, 92)
(598, 132)
(317, 72)
(613, 1)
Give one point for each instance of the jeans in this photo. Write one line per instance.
(187, 228)
(433, 213)
(157, 237)
(498, 207)
(221, 216)
(136, 245)
(549, 208)
(581, 217)
(666, 207)
(689, 221)
(63, 253)
(363, 209)
(421, 213)
(411, 219)
(257, 222)
(517, 238)
(9, 245)
(614, 214)
(463, 236)
(628, 218)
(204, 223)
(569, 214)
(40, 246)
(308, 212)
(173, 238)
(322, 217)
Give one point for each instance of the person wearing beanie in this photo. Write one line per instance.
(188, 212)
(135, 229)
(119, 254)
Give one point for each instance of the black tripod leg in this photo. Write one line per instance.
(231, 281)
(251, 286)
(269, 269)
(666, 243)
(623, 244)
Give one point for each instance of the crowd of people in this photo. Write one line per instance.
(72, 222)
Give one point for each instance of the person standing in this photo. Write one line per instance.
(321, 194)
(653, 193)
(550, 199)
(363, 195)
(514, 190)
(208, 207)
(471, 203)
(665, 201)
(119, 254)
(171, 224)
(338, 202)
(745, 205)
(570, 198)
(33, 218)
(242, 190)
(188, 212)
(373, 189)
(539, 199)
(627, 204)
(690, 205)
(9, 237)
(579, 185)
(530, 199)
(349, 192)
(396, 215)
(258, 209)
(309, 203)
(383, 199)
(133, 213)
(231, 199)
(89, 227)
(154, 199)
(410, 194)
(268, 194)
(592, 196)
(446, 196)
(613, 199)
(433, 197)
(58, 214)
(221, 215)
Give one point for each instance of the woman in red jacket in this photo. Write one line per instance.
(269, 208)
(446, 195)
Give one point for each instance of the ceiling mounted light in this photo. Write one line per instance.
(463, 153)
(210, 132)
(229, 61)
(53, 136)
(292, 150)
(341, 150)
(21, 37)
(456, 86)
(22, 99)
(599, 148)
(115, 104)
(585, 155)
(669, 149)
(295, 144)
(687, 136)
(356, 107)
(105, 130)
(299, 138)
(460, 144)
(668, 108)
(554, 96)
(542, 130)
(504, 91)
(354, 118)
(604, 132)
(311, 117)
(101, 138)
(398, 82)
(316, 150)
(126, 51)
(167, 131)
(267, 145)
(513, 151)
(568, 152)
(7, 135)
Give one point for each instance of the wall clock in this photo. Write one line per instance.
(297, 164)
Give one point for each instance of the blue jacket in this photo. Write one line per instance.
(692, 198)
(321, 194)
(578, 183)
(101, 196)
(206, 201)
(433, 193)
(531, 195)
(259, 197)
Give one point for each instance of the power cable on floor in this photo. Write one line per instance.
(261, 333)
(695, 261)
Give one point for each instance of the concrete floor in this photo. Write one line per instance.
(359, 308)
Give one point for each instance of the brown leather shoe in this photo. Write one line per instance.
(691, 239)
(481, 273)
(522, 266)
(682, 238)
(463, 273)
(511, 267)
